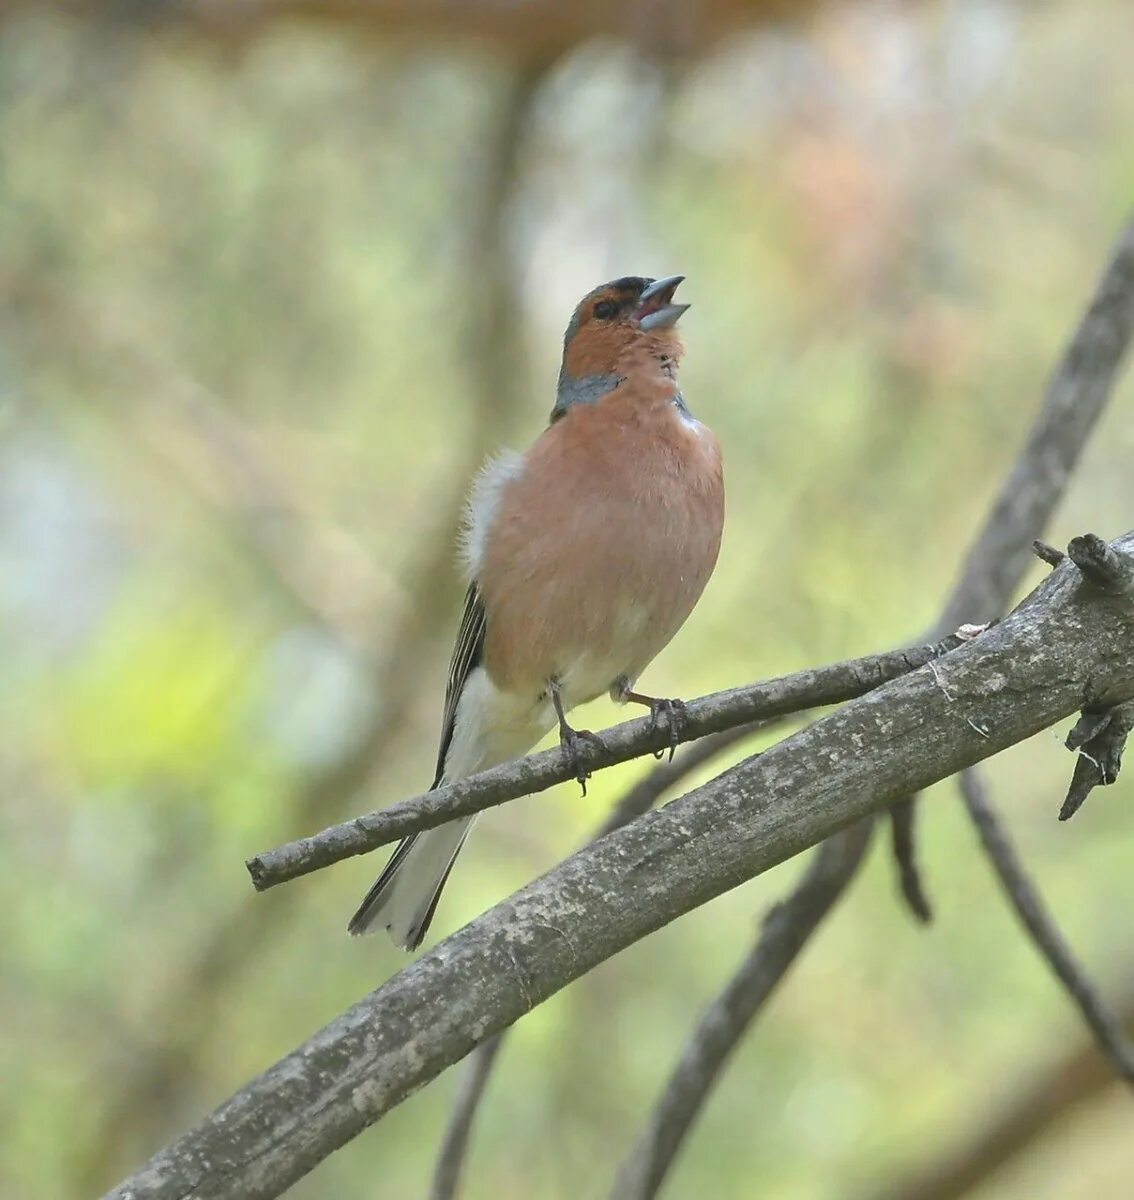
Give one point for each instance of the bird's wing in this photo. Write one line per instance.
(468, 654)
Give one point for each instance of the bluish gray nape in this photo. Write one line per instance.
(680, 405)
(589, 389)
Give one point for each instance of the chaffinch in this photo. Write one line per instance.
(583, 558)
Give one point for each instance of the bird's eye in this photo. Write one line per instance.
(605, 309)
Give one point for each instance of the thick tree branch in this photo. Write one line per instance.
(1034, 668)
(1042, 929)
(785, 933)
(712, 714)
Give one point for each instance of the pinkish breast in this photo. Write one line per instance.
(602, 545)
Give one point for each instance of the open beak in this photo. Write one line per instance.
(656, 309)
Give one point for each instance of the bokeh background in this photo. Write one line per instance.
(274, 277)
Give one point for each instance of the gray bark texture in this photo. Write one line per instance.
(1068, 645)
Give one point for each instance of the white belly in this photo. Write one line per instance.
(493, 726)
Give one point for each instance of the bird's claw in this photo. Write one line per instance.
(569, 739)
(676, 714)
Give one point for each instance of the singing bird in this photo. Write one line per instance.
(583, 558)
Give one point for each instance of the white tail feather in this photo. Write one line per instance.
(403, 899)
(491, 727)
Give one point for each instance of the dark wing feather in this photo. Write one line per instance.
(468, 654)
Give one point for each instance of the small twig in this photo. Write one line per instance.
(523, 777)
(1042, 928)
(1048, 554)
(1107, 568)
(785, 932)
(1100, 737)
(902, 816)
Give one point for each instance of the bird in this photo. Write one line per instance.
(582, 557)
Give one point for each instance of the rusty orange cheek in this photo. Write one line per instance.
(595, 349)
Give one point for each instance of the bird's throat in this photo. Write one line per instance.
(586, 389)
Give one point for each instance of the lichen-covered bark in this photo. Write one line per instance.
(1067, 645)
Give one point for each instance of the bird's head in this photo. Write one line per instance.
(622, 326)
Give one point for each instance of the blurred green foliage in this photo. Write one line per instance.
(262, 315)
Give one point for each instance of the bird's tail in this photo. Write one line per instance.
(404, 897)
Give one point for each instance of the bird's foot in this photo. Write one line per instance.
(674, 711)
(571, 739)
(676, 714)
